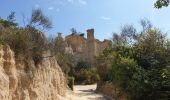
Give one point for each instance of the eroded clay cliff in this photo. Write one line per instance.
(43, 82)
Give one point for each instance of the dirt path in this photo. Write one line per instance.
(84, 92)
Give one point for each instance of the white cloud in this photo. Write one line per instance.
(71, 1)
(37, 6)
(83, 2)
(105, 18)
(51, 8)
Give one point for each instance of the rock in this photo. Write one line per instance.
(45, 82)
(83, 49)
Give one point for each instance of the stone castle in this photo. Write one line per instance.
(83, 49)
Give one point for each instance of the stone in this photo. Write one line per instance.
(84, 49)
(45, 82)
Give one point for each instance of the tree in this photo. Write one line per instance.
(11, 17)
(128, 33)
(161, 3)
(146, 25)
(10, 21)
(73, 31)
(30, 39)
(38, 23)
(151, 49)
(141, 70)
(39, 20)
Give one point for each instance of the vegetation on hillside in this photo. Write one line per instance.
(138, 64)
(28, 42)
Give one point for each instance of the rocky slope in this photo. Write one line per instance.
(43, 82)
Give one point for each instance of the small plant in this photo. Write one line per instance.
(87, 76)
(71, 83)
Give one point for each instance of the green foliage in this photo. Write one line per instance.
(85, 74)
(161, 3)
(38, 19)
(71, 83)
(11, 17)
(82, 65)
(129, 77)
(104, 64)
(63, 59)
(26, 41)
(151, 50)
(139, 68)
(159, 84)
(10, 22)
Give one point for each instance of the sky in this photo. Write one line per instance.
(105, 16)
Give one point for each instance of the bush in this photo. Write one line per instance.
(87, 76)
(82, 65)
(129, 78)
(104, 64)
(71, 83)
(140, 69)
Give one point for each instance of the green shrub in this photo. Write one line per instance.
(139, 69)
(71, 83)
(129, 78)
(87, 76)
(104, 64)
(82, 65)
(95, 78)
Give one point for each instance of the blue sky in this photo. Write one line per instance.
(105, 16)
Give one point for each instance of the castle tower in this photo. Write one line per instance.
(90, 46)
